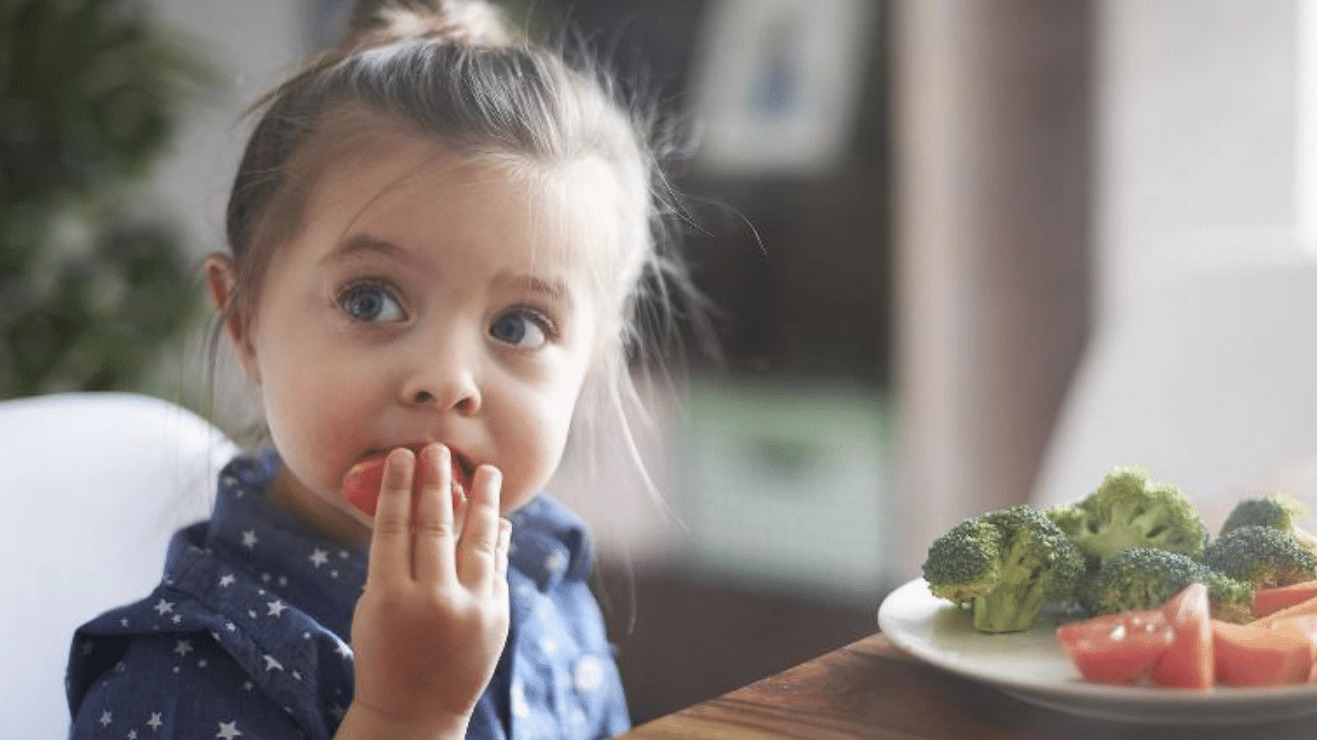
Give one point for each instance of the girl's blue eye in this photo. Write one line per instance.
(370, 302)
(521, 328)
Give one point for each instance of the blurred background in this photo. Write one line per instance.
(962, 254)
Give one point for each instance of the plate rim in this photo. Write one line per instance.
(1084, 690)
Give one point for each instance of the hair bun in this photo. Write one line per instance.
(471, 22)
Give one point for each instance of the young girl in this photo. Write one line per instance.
(437, 239)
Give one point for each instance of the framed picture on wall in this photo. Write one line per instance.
(776, 84)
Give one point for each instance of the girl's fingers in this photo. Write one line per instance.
(459, 511)
(390, 537)
(501, 555)
(433, 550)
(477, 550)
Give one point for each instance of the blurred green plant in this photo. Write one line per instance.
(92, 286)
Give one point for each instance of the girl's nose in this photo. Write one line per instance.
(450, 388)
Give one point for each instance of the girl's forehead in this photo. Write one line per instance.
(502, 207)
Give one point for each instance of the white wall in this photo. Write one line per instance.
(253, 44)
(1197, 133)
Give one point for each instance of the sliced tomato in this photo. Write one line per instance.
(1254, 655)
(1300, 609)
(1270, 600)
(361, 485)
(1189, 661)
(1118, 648)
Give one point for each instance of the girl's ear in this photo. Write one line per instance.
(222, 278)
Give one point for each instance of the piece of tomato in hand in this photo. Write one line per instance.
(1189, 662)
(361, 485)
(1118, 648)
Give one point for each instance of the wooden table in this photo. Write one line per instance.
(869, 689)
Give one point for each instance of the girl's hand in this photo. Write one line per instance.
(431, 623)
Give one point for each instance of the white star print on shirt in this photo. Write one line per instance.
(344, 650)
(319, 557)
(228, 730)
(105, 719)
(276, 608)
(183, 648)
(155, 721)
(226, 580)
(272, 665)
(132, 735)
(554, 562)
(520, 707)
(162, 607)
(249, 539)
(588, 674)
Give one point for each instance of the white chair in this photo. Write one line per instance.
(1208, 379)
(91, 487)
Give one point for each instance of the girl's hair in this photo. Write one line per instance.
(452, 72)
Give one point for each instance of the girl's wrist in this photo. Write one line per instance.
(365, 723)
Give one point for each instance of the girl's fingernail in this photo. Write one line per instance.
(398, 467)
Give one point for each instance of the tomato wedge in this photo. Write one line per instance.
(1303, 608)
(361, 485)
(1118, 648)
(1189, 662)
(1254, 655)
(1270, 600)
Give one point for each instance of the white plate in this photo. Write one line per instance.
(1034, 667)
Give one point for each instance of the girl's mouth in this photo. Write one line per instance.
(361, 484)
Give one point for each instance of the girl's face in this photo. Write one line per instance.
(424, 298)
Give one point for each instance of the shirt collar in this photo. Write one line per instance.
(321, 577)
(550, 545)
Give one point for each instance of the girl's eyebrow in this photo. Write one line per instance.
(556, 290)
(367, 244)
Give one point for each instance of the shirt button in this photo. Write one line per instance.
(588, 674)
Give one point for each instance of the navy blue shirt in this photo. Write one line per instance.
(247, 635)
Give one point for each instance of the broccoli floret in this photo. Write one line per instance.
(1005, 564)
(1130, 510)
(1262, 557)
(1145, 578)
(1278, 511)
(1231, 600)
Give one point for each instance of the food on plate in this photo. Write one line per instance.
(1118, 648)
(1146, 578)
(1171, 646)
(1261, 556)
(1129, 510)
(1298, 610)
(1189, 662)
(1004, 565)
(1278, 511)
(1271, 600)
(1165, 605)
(1252, 655)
